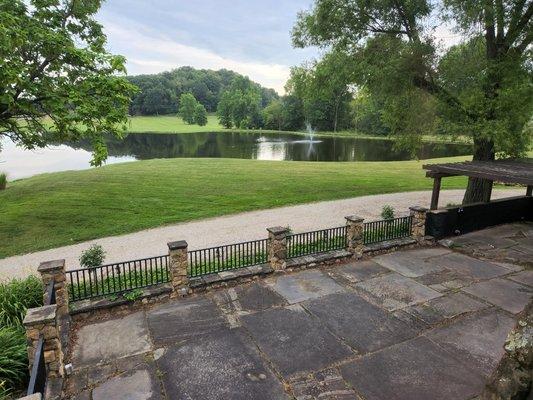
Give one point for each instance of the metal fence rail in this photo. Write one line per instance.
(321, 241)
(228, 257)
(114, 279)
(379, 231)
(37, 381)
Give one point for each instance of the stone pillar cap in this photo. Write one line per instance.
(418, 209)
(278, 230)
(40, 315)
(178, 245)
(354, 218)
(48, 266)
(36, 396)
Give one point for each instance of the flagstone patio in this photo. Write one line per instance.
(416, 324)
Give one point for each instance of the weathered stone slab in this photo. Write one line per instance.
(510, 296)
(134, 385)
(524, 277)
(304, 285)
(477, 340)
(293, 340)
(327, 384)
(395, 291)
(448, 306)
(184, 318)
(360, 324)
(249, 298)
(414, 370)
(220, 365)
(407, 263)
(469, 266)
(102, 342)
(357, 271)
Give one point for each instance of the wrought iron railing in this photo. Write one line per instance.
(228, 257)
(388, 229)
(321, 241)
(118, 278)
(37, 381)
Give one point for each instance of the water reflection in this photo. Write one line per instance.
(260, 146)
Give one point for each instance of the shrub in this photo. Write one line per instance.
(387, 212)
(3, 181)
(93, 257)
(16, 297)
(13, 360)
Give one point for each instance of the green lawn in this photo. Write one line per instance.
(51, 210)
(170, 124)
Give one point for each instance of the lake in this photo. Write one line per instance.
(19, 163)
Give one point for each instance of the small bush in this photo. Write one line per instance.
(387, 212)
(13, 360)
(16, 297)
(93, 257)
(3, 181)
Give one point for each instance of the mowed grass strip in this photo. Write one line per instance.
(170, 124)
(56, 209)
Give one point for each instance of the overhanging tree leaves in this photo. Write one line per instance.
(57, 81)
(482, 87)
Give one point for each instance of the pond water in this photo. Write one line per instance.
(19, 163)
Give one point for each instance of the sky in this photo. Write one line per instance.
(250, 37)
(247, 36)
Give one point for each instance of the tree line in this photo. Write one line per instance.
(160, 93)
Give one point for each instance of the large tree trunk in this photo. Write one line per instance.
(479, 190)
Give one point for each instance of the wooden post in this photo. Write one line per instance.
(488, 195)
(436, 193)
(529, 191)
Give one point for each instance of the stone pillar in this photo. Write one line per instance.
(418, 225)
(277, 247)
(355, 235)
(55, 270)
(44, 321)
(179, 264)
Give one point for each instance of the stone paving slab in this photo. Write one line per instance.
(249, 298)
(477, 340)
(408, 264)
(360, 324)
(395, 291)
(357, 271)
(414, 370)
(294, 341)
(322, 385)
(183, 319)
(303, 286)
(445, 307)
(106, 341)
(524, 277)
(469, 266)
(220, 365)
(140, 384)
(510, 296)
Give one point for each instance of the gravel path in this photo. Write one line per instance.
(233, 228)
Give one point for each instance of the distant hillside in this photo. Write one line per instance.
(159, 93)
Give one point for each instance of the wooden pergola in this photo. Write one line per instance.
(506, 171)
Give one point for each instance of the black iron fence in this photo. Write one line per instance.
(228, 257)
(389, 229)
(321, 241)
(37, 382)
(118, 278)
